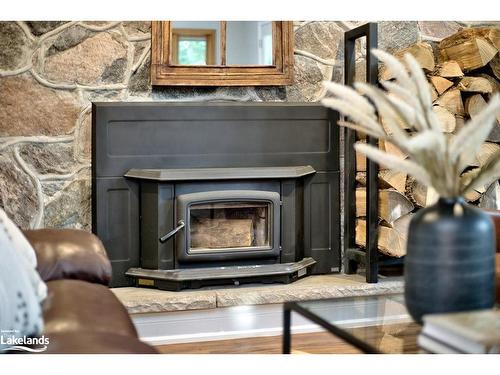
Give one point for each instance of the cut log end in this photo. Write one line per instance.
(471, 48)
(441, 84)
(446, 119)
(392, 204)
(391, 240)
(450, 69)
(475, 84)
(452, 101)
(421, 51)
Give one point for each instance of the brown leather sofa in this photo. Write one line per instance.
(81, 314)
(495, 216)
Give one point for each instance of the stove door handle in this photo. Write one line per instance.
(180, 225)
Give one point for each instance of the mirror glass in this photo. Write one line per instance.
(249, 43)
(196, 43)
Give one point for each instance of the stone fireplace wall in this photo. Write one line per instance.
(50, 72)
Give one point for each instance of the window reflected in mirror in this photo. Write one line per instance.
(196, 43)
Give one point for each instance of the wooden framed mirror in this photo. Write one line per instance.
(222, 53)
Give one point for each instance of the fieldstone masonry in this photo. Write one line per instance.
(50, 72)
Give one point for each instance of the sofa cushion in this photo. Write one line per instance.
(70, 254)
(75, 306)
(95, 343)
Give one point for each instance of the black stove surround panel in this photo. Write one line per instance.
(193, 194)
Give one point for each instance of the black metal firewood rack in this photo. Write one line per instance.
(353, 255)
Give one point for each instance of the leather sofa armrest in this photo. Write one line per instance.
(70, 254)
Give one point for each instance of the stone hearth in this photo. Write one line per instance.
(141, 300)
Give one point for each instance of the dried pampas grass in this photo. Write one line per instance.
(434, 160)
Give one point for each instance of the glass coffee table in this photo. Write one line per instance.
(372, 324)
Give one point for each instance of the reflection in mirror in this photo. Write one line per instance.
(196, 43)
(249, 43)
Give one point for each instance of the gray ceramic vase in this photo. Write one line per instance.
(450, 261)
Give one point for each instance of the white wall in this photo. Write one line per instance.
(243, 40)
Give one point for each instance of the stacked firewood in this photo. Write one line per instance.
(463, 72)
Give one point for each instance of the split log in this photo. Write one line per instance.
(416, 192)
(474, 105)
(361, 178)
(452, 101)
(487, 149)
(493, 36)
(360, 162)
(392, 204)
(495, 66)
(392, 149)
(460, 122)
(446, 119)
(222, 233)
(387, 179)
(419, 194)
(421, 51)
(494, 135)
(472, 196)
(476, 193)
(361, 159)
(393, 179)
(434, 94)
(495, 84)
(441, 84)
(388, 130)
(469, 48)
(450, 69)
(481, 189)
(491, 198)
(475, 84)
(391, 240)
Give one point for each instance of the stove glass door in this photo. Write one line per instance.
(230, 225)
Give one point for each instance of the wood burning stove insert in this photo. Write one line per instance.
(190, 194)
(228, 223)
